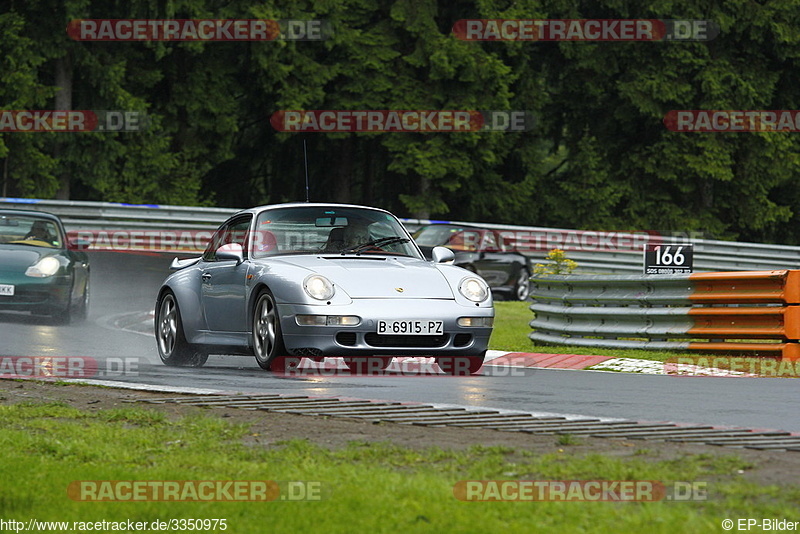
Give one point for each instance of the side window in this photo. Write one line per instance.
(235, 231)
(490, 242)
(214, 243)
(467, 240)
(240, 230)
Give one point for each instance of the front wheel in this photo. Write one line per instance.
(460, 365)
(266, 337)
(173, 349)
(522, 289)
(83, 308)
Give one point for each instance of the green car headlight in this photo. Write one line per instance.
(43, 268)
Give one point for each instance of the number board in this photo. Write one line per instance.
(668, 259)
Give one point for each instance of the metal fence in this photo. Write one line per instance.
(595, 252)
(754, 312)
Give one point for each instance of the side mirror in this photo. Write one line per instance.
(443, 255)
(230, 252)
(177, 264)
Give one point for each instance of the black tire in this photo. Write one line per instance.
(62, 317)
(82, 311)
(460, 365)
(266, 337)
(522, 287)
(73, 314)
(173, 349)
(196, 359)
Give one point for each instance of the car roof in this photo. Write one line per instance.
(258, 209)
(29, 213)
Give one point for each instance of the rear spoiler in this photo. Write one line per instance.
(177, 264)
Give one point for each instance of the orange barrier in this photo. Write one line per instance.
(735, 287)
(753, 312)
(782, 322)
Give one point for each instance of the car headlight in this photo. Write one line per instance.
(473, 289)
(318, 287)
(43, 268)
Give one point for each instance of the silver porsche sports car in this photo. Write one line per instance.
(317, 280)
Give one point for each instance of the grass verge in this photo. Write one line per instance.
(512, 326)
(511, 329)
(366, 486)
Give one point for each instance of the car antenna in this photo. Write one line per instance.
(305, 158)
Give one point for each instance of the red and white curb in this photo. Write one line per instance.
(541, 360)
(650, 367)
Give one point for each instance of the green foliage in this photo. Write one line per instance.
(558, 263)
(567, 440)
(599, 156)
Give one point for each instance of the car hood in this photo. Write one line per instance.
(378, 277)
(17, 258)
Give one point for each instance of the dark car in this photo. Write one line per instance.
(40, 270)
(483, 251)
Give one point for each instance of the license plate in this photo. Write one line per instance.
(411, 328)
(6, 290)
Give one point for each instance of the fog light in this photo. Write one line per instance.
(343, 320)
(327, 320)
(310, 320)
(482, 322)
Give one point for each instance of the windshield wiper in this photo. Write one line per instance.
(376, 243)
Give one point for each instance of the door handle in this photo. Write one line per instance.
(206, 277)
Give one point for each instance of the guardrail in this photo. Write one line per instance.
(595, 252)
(86, 215)
(670, 312)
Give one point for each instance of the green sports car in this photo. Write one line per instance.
(41, 271)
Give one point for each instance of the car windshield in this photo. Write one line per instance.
(27, 230)
(332, 230)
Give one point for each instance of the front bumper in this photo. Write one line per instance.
(363, 339)
(36, 294)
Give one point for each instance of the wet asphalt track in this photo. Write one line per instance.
(126, 283)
